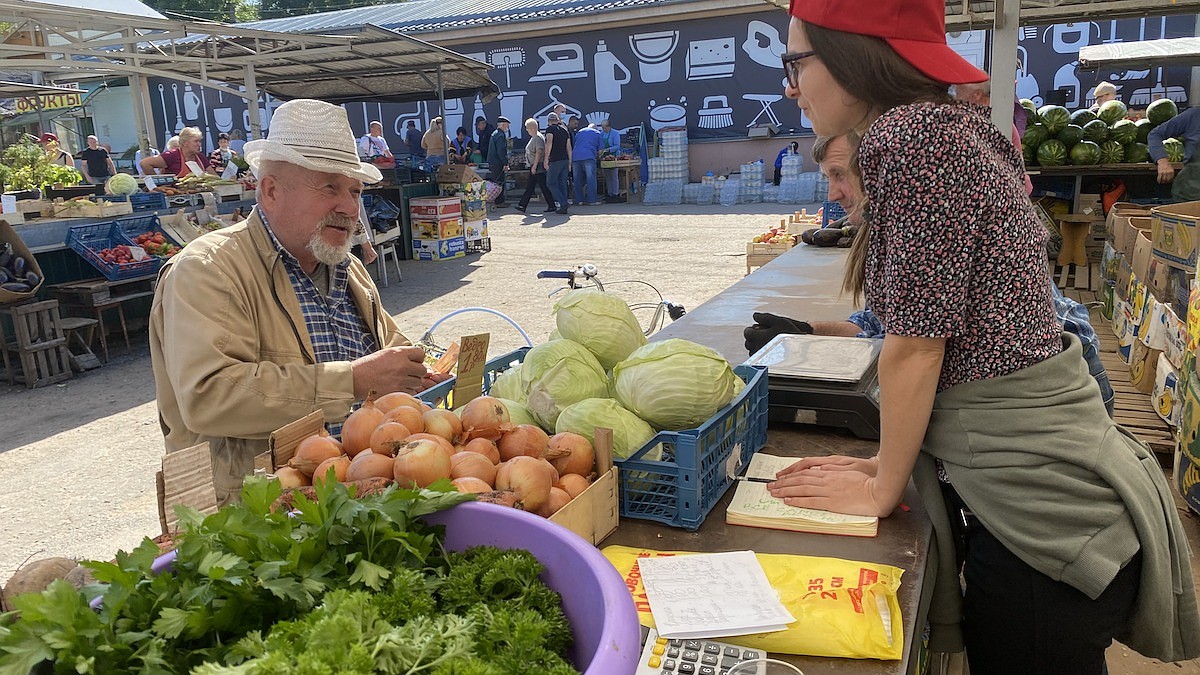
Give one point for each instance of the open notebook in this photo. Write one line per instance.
(753, 506)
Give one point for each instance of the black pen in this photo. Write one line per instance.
(754, 479)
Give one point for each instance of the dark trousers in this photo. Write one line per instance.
(1018, 620)
(500, 180)
(778, 174)
(536, 181)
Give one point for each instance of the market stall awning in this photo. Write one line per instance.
(373, 64)
(1127, 55)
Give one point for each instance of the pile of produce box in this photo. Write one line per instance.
(1055, 136)
(437, 228)
(668, 171)
(474, 212)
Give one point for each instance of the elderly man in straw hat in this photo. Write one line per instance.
(258, 324)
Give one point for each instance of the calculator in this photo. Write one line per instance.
(661, 656)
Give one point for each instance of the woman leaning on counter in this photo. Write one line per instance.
(175, 162)
(1071, 534)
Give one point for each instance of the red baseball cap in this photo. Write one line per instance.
(915, 29)
(46, 138)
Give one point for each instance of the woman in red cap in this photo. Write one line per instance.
(1070, 536)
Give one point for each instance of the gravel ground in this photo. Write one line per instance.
(77, 460)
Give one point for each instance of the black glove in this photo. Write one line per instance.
(767, 326)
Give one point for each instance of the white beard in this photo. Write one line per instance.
(327, 253)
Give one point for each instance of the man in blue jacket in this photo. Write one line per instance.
(587, 146)
(1186, 126)
(498, 157)
(412, 138)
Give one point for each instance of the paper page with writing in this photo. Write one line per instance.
(711, 595)
(763, 465)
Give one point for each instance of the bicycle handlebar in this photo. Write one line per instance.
(555, 274)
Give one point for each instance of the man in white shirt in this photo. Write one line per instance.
(373, 144)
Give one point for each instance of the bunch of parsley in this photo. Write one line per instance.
(244, 569)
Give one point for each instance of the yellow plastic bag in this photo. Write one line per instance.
(842, 608)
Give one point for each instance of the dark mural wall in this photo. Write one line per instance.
(716, 76)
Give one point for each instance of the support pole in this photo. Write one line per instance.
(136, 84)
(442, 109)
(1004, 62)
(252, 102)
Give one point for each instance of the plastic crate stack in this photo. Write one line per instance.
(729, 190)
(699, 193)
(751, 188)
(668, 171)
(770, 192)
(796, 186)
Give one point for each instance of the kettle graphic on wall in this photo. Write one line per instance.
(611, 75)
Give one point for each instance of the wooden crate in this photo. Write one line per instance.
(90, 209)
(758, 255)
(39, 345)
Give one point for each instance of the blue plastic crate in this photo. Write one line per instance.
(89, 240)
(131, 227)
(832, 211)
(697, 465)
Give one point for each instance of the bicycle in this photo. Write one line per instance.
(588, 275)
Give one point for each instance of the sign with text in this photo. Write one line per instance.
(472, 357)
(50, 102)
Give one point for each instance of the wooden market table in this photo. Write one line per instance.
(629, 173)
(802, 284)
(97, 296)
(1142, 171)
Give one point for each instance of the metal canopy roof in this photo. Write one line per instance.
(1173, 52)
(22, 89)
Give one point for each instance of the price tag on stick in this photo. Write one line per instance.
(472, 357)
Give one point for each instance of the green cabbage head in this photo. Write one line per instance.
(675, 384)
(121, 184)
(508, 385)
(630, 432)
(518, 413)
(600, 321)
(556, 374)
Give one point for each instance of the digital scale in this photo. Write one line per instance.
(824, 380)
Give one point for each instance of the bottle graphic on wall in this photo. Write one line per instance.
(611, 75)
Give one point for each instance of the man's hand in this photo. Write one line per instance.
(388, 370)
(1166, 172)
(767, 326)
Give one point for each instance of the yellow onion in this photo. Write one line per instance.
(442, 443)
(484, 447)
(571, 453)
(389, 436)
(464, 464)
(558, 499)
(338, 464)
(484, 417)
(524, 439)
(442, 423)
(389, 402)
(369, 465)
(409, 417)
(525, 476)
(471, 485)
(358, 427)
(289, 477)
(420, 463)
(314, 450)
(573, 484)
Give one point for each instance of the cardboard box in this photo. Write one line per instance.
(1110, 262)
(1124, 275)
(1119, 215)
(1126, 330)
(446, 228)
(1175, 232)
(1166, 393)
(1108, 297)
(186, 479)
(1127, 231)
(1143, 250)
(457, 173)
(1090, 205)
(474, 209)
(1187, 480)
(1142, 364)
(476, 230)
(1170, 284)
(592, 514)
(1189, 422)
(1175, 346)
(439, 249)
(435, 208)
(470, 191)
(9, 236)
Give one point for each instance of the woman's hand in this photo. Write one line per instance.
(833, 463)
(840, 491)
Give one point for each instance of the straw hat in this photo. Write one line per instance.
(313, 135)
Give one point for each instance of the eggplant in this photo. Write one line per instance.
(827, 236)
(18, 265)
(32, 279)
(807, 236)
(5, 254)
(4, 276)
(16, 287)
(845, 242)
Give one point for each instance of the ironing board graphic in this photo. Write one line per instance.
(765, 100)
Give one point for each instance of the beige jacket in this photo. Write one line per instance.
(435, 141)
(231, 354)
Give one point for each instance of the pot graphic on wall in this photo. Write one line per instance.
(654, 52)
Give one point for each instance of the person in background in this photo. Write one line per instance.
(483, 136)
(237, 139)
(218, 159)
(461, 147)
(792, 148)
(558, 160)
(175, 162)
(412, 138)
(54, 151)
(1103, 93)
(173, 143)
(984, 402)
(1185, 186)
(535, 156)
(139, 155)
(373, 144)
(255, 325)
(97, 163)
(573, 127)
(585, 149)
(610, 140)
(498, 151)
(435, 142)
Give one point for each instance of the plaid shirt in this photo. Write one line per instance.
(335, 326)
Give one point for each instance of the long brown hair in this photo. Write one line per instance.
(872, 72)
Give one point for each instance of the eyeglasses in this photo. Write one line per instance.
(792, 66)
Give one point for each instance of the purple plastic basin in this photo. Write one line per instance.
(595, 599)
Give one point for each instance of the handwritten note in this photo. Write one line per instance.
(711, 595)
(753, 499)
(472, 357)
(763, 465)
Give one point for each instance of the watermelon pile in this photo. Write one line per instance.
(1054, 136)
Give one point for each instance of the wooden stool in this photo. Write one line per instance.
(1074, 236)
(39, 345)
(72, 325)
